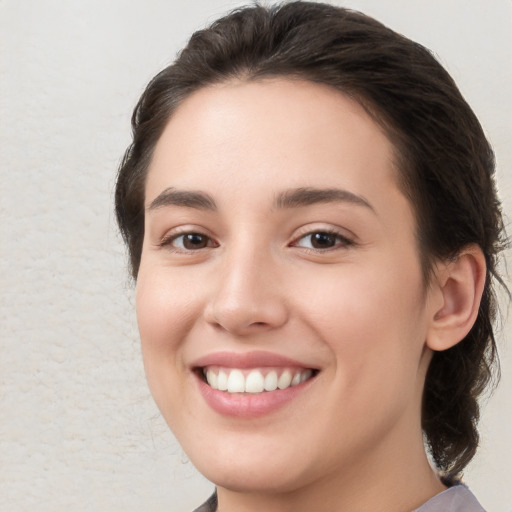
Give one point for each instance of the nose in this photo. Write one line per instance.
(248, 296)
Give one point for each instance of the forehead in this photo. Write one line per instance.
(240, 134)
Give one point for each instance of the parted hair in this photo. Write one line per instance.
(444, 162)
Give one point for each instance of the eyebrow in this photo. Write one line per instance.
(188, 198)
(294, 198)
(308, 196)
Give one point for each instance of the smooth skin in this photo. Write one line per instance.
(334, 282)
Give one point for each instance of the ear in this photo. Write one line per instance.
(458, 286)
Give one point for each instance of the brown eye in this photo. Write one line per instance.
(322, 240)
(194, 241)
(191, 242)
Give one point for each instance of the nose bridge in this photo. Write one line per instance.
(247, 294)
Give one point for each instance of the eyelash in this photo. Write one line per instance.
(340, 241)
(167, 241)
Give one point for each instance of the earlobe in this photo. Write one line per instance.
(459, 285)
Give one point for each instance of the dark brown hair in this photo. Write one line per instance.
(445, 163)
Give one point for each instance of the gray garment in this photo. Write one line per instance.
(455, 499)
(210, 505)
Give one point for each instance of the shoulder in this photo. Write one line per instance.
(210, 505)
(455, 499)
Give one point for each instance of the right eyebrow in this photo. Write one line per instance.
(187, 198)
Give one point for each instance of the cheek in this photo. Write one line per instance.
(373, 320)
(365, 298)
(164, 308)
(165, 314)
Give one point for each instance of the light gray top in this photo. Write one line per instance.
(455, 499)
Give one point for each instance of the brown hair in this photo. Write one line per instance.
(446, 165)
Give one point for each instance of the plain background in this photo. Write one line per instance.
(78, 428)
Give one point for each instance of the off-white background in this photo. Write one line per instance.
(78, 429)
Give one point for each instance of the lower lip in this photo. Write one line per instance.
(248, 405)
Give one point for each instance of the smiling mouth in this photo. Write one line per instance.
(255, 380)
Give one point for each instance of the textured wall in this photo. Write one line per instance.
(78, 429)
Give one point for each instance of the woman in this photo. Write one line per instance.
(312, 222)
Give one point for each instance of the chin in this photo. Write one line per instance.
(252, 478)
(256, 465)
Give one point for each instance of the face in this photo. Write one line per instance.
(280, 299)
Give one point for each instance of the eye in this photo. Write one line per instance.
(319, 240)
(188, 241)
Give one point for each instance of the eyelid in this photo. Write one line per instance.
(173, 234)
(342, 236)
(344, 239)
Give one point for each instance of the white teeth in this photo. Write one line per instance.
(235, 381)
(271, 381)
(222, 381)
(296, 379)
(254, 383)
(285, 380)
(212, 379)
(304, 376)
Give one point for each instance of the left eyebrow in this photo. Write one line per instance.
(187, 198)
(298, 197)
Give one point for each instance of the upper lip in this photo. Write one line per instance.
(254, 359)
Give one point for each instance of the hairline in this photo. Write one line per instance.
(400, 161)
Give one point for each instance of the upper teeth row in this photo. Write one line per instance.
(234, 381)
